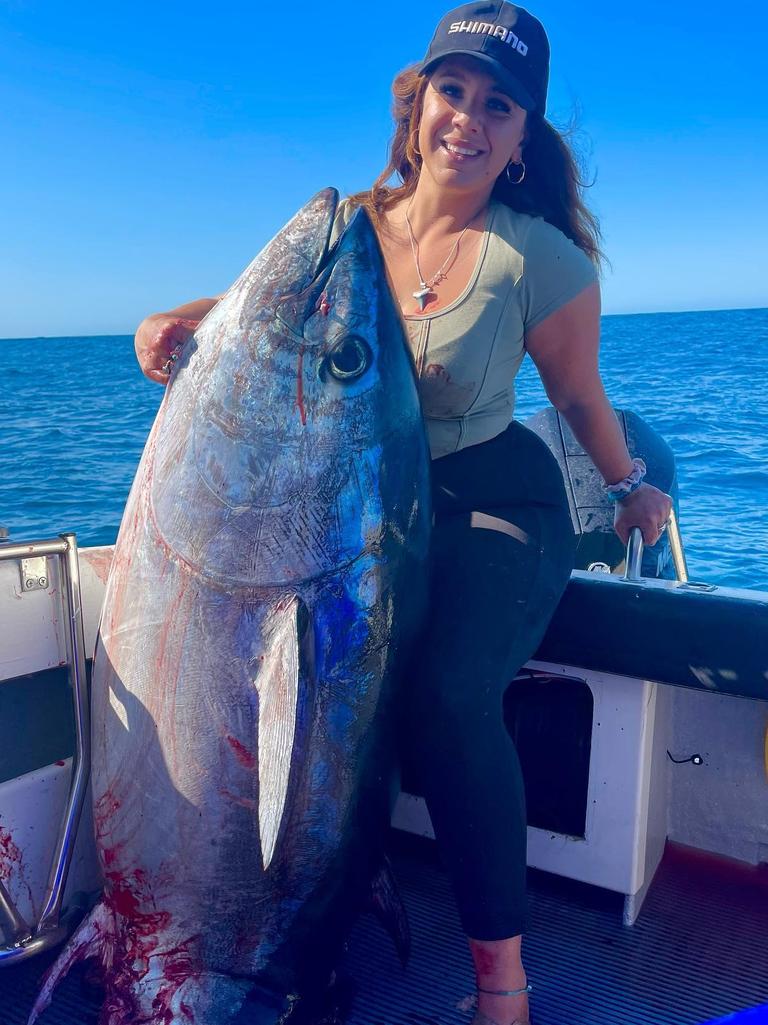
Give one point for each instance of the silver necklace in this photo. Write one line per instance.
(425, 287)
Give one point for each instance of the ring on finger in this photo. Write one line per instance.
(174, 355)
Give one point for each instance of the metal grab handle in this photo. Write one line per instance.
(24, 941)
(634, 556)
(676, 545)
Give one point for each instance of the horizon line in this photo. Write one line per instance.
(636, 313)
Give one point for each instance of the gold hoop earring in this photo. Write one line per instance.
(516, 181)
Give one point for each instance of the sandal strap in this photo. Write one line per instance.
(505, 992)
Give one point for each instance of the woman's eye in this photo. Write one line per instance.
(349, 359)
(499, 106)
(450, 90)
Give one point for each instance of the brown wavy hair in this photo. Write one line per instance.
(553, 184)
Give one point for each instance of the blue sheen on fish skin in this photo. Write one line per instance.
(273, 549)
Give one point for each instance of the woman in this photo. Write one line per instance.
(490, 253)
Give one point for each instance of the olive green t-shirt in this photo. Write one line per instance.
(467, 354)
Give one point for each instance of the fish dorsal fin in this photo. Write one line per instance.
(356, 246)
(303, 242)
(289, 263)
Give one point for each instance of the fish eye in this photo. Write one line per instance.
(349, 359)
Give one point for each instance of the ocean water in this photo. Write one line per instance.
(75, 413)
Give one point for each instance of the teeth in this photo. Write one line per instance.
(460, 149)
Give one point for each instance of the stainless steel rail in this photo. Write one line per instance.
(634, 556)
(22, 940)
(32, 549)
(676, 544)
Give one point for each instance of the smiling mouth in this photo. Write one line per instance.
(461, 151)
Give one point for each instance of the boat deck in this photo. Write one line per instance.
(696, 953)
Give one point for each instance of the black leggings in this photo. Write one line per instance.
(503, 547)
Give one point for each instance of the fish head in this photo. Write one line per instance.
(357, 376)
(294, 424)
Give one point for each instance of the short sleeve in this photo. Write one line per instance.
(555, 270)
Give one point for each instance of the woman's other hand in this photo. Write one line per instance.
(156, 339)
(162, 333)
(646, 508)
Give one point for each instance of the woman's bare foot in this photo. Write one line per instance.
(498, 966)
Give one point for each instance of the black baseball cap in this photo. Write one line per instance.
(507, 38)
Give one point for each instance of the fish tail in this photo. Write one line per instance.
(89, 940)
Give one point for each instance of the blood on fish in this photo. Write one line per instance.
(179, 964)
(110, 855)
(59, 761)
(323, 305)
(300, 388)
(104, 808)
(136, 942)
(121, 897)
(243, 755)
(244, 802)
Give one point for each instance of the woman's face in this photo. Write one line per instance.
(470, 128)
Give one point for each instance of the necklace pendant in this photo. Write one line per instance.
(422, 295)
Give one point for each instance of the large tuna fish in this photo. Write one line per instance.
(267, 576)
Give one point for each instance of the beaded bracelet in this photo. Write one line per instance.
(619, 491)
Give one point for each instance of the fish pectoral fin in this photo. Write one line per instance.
(288, 654)
(387, 905)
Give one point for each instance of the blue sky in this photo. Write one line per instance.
(149, 150)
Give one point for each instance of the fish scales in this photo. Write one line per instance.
(268, 577)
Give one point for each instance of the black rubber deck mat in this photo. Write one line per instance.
(697, 952)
